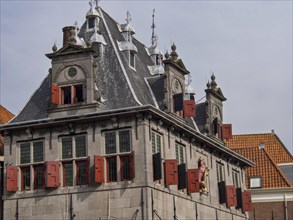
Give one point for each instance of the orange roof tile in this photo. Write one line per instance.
(266, 159)
(5, 115)
(272, 176)
(271, 141)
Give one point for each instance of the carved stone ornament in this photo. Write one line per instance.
(202, 175)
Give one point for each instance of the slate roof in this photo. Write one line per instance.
(200, 116)
(266, 160)
(121, 86)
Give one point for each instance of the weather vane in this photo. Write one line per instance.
(128, 17)
(153, 27)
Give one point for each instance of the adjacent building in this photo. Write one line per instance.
(113, 133)
(5, 117)
(270, 181)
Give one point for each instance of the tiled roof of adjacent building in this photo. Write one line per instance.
(5, 115)
(266, 151)
(271, 142)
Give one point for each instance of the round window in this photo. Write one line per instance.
(72, 72)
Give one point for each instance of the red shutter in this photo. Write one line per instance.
(231, 196)
(246, 202)
(171, 169)
(87, 165)
(11, 178)
(55, 94)
(192, 180)
(132, 166)
(99, 169)
(52, 174)
(226, 131)
(189, 108)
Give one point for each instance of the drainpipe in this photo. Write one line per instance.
(285, 205)
(109, 209)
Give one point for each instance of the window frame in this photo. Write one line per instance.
(73, 97)
(118, 154)
(74, 159)
(220, 171)
(180, 151)
(255, 177)
(154, 143)
(30, 165)
(236, 178)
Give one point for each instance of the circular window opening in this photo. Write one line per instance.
(72, 72)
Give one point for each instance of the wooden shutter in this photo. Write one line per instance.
(178, 102)
(52, 174)
(55, 94)
(87, 170)
(231, 196)
(132, 166)
(193, 181)
(171, 170)
(11, 178)
(182, 176)
(189, 108)
(246, 202)
(239, 198)
(226, 131)
(222, 192)
(99, 169)
(157, 170)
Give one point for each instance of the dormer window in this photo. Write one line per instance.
(132, 59)
(91, 22)
(71, 94)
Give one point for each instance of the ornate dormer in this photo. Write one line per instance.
(174, 82)
(73, 72)
(154, 52)
(127, 46)
(214, 108)
(92, 16)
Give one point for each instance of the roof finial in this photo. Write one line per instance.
(128, 17)
(97, 3)
(91, 4)
(213, 83)
(153, 32)
(174, 54)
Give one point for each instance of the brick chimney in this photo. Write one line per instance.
(67, 33)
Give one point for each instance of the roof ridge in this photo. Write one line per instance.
(277, 168)
(284, 147)
(234, 135)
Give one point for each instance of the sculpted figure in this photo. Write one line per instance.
(203, 172)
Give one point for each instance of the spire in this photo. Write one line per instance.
(128, 17)
(154, 38)
(97, 4)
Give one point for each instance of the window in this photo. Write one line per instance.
(132, 59)
(220, 172)
(119, 143)
(71, 94)
(75, 163)
(91, 22)
(255, 182)
(112, 169)
(156, 142)
(180, 149)
(31, 159)
(235, 176)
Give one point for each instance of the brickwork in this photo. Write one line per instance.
(271, 210)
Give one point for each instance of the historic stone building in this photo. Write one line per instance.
(112, 133)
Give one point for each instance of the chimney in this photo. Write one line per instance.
(67, 34)
(273, 132)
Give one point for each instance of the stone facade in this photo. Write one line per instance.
(105, 138)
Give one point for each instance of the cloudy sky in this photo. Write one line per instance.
(247, 44)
